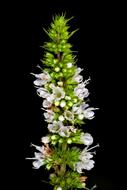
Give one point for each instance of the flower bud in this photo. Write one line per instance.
(69, 65)
(62, 103)
(61, 141)
(60, 83)
(61, 118)
(54, 137)
(57, 103)
(59, 188)
(81, 116)
(69, 141)
(70, 104)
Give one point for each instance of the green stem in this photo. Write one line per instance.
(63, 166)
(64, 146)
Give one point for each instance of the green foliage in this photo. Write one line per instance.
(69, 181)
(69, 156)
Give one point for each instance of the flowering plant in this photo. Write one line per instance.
(64, 94)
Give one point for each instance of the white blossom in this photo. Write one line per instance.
(86, 138)
(42, 79)
(76, 109)
(72, 129)
(58, 93)
(85, 156)
(68, 115)
(42, 92)
(85, 161)
(45, 139)
(83, 84)
(78, 71)
(83, 111)
(78, 78)
(46, 104)
(78, 167)
(88, 164)
(49, 115)
(38, 163)
(79, 108)
(50, 98)
(39, 157)
(83, 106)
(55, 126)
(81, 92)
(64, 131)
(88, 113)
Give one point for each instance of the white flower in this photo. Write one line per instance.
(38, 82)
(78, 167)
(81, 92)
(38, 163)
(84, 106)
(42, 92)
(86, 138)
(39, 157)
(50, 98)
(64, 131)
(83, 84)
(47, 104)
(55, 126)
(76, 109)
(45, 139)
(68, 115)
(78, 71)
(42, 79)
(88, 113)
(85, 156)
(83, 111)
(78, 78)
(49, 115)
(88, 164)
(58, 93)
(72, 129)
(85, 161)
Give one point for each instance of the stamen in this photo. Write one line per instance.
(30, 158)
(93, 187)
(93, 147)
(39, 66)
(32, 74)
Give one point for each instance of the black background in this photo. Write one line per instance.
(99, 45)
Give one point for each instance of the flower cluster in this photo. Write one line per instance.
(56, 98)
(64, 94)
